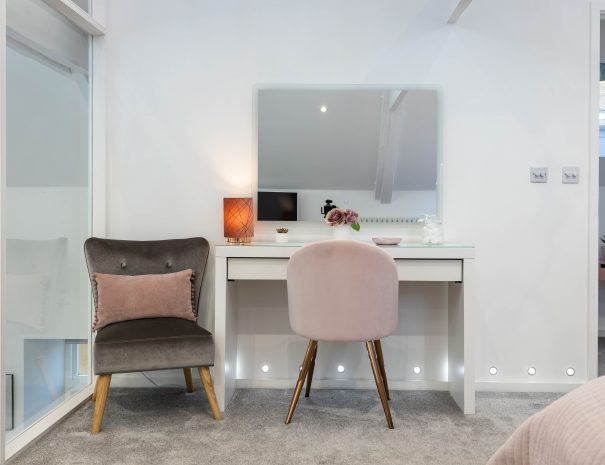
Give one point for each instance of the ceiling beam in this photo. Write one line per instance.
(462, 6)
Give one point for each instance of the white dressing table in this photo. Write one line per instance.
(451, 263)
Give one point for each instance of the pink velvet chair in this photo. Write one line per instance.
(343, 291)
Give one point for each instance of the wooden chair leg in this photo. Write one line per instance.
(94, 392)
(102, 388)
(383, 373)
(188, 379)
(379, 383)
(301, 379)
(310, 374)
(209, 388)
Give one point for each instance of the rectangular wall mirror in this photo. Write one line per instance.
(376, 151)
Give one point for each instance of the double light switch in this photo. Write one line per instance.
(569, 175)
(538, 174)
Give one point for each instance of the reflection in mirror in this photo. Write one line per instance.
(372, 150)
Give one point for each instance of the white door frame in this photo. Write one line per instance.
(2, 223)
(91, 24)
(596, 7)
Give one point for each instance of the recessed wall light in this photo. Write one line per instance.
(531, 371)
(417, 370)
(493, 371)
(570, 371)
(323, 108)
(265, 368)
(340, 369)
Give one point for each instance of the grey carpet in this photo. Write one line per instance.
(168, 426)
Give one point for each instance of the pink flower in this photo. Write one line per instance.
(351, 216)
(336, 217)
(342, 216)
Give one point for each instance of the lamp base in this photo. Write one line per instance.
(239, 240)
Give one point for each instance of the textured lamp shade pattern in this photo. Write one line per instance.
(238, 218)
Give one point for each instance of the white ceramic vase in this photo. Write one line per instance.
(281, 238)
(342, 232)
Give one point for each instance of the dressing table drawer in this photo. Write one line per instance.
(407, 269)
(257, 268)
(429, 270)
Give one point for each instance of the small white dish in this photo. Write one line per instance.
(386, 240)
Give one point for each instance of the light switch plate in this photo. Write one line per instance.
(538, 174)
(571, 175)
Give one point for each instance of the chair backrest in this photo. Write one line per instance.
(132, 258)
(342, 291)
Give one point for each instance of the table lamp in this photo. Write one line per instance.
(238, 220)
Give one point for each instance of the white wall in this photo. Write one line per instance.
(181, 136)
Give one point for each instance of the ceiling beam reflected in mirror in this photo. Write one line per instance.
(460, 8)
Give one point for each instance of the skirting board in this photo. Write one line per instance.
(284, 383)
(136, 380)
(488, 386)
(169, 379)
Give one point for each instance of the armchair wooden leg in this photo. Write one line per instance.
(379, 383)
(383, 373)
(188, 379)
(102, 389)
(301, 379)
(94, 392)
(310, 374)
(209, 388)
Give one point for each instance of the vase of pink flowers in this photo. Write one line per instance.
(342, 221)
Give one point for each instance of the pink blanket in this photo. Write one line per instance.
(570, 431)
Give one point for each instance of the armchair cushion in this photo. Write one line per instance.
(121, 298)
(152, 344)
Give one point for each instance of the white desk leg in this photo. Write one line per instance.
(225, 336)
(461, 357)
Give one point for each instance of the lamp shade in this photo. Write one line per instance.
(238, 219)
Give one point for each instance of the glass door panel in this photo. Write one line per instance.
(47, 212)
(84, 4)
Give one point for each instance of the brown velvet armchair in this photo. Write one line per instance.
(150, 343)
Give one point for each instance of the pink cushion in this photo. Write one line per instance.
(342, 291)
(121, 298)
